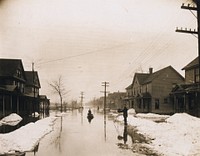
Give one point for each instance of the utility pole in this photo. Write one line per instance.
(105, 84)
(33, 88)
(82, 93)
(194, 8)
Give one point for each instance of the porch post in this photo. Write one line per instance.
(17, 104)
(11, 104)
(4, 106)
(185, 103)
(174, 103)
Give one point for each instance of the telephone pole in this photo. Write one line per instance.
(194, 8)
(105, 84)
(33, 88)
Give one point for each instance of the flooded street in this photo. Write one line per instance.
(74, 135)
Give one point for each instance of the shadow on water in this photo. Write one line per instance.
(124, 138)
(136, 143)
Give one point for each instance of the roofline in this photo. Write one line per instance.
(196, 65)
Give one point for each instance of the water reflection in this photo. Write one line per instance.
(124, 138)
(36, 149)
(70, 137)
(80, 110)
(90, 116)
(59, 136)
(105, 126)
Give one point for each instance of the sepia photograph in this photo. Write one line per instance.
(99, 78)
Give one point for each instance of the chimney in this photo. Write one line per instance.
(150, 70)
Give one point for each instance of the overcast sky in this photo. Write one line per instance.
(91, 41)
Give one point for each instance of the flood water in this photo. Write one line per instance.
(74, 135)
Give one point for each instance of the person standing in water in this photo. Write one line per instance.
(125, 114)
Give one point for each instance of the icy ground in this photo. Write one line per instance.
(177, 135)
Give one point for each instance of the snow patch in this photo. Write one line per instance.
(26, 137)
(11, 120)
(36, 114)
(152, 116)
(132, 112)
(178, 135)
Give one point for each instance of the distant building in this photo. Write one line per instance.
(150, 92)
(115, 100)
(44, 105)
(186, 95)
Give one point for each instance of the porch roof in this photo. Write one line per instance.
(144, 95)
(185, 88)
(128, 98)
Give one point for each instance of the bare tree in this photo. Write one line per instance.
(58, 88)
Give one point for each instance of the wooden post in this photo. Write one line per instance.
(17, 104)
(3, 106)
(11, 104)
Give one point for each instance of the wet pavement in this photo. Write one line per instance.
(74, 135)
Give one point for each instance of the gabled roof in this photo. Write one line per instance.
(152, 76)
(192, 64)
(8, 67)
(129, 87)
(145, 78)
(142, 77)
(30, 76)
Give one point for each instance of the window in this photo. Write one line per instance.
(196, 75)
(144, 105)
(191, 103)
(18, 85)
(22, 88)
(157, 103)
(139, 104)
(165, 100)
(19, 74)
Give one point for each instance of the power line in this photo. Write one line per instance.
(87, 53)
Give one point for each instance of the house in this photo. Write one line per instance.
(19, 89)
(12, 82)
(32, 85)
(31, 91)
(44, 105)
(186, 95)
(151, 91)
(129, 96)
